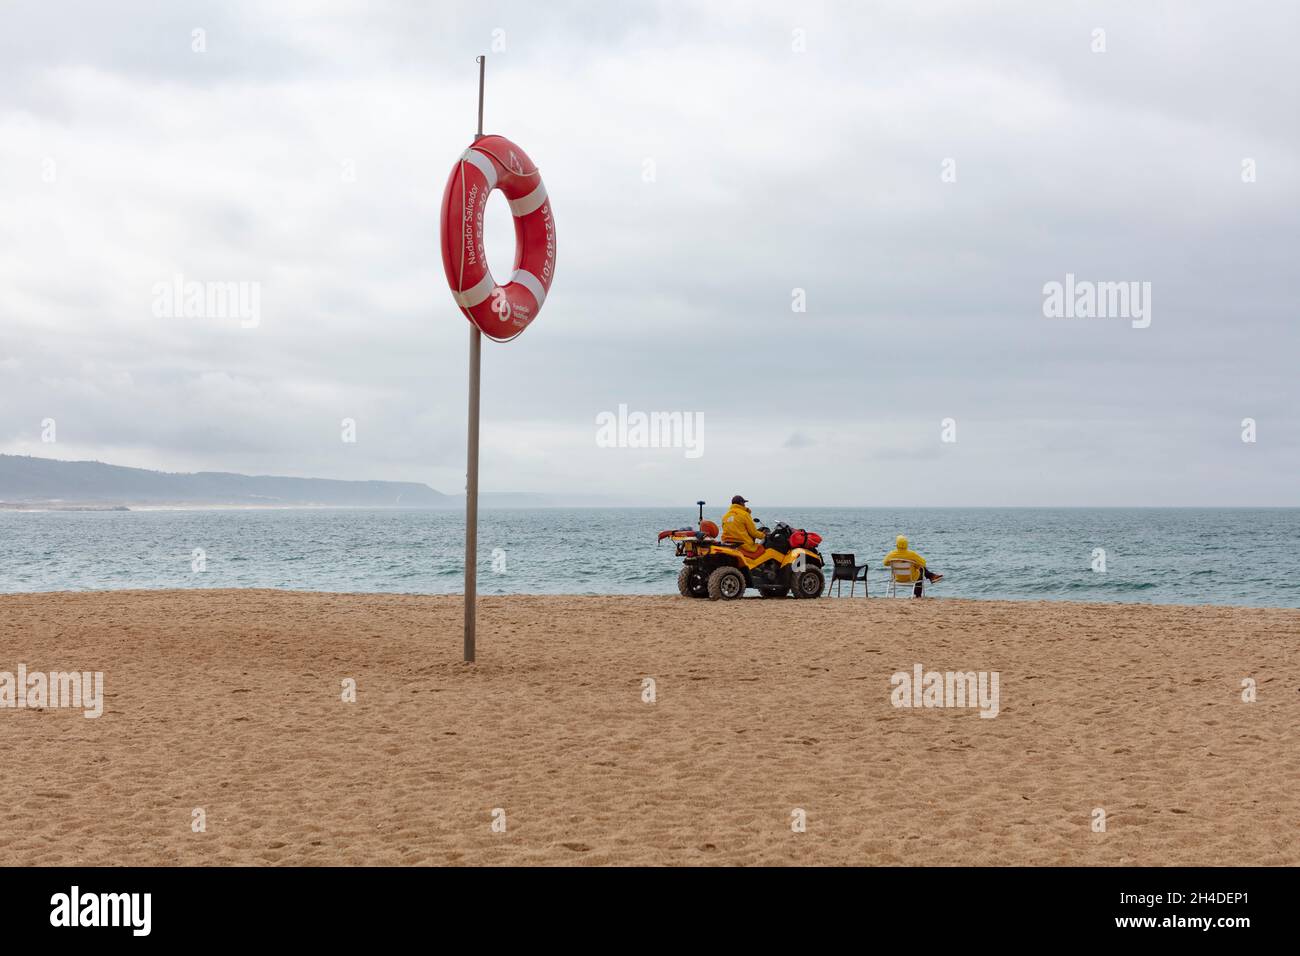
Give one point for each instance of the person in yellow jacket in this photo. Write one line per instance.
(738, 525)
(902, 552)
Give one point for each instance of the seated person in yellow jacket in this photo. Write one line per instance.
(738, 526)
(902, 553)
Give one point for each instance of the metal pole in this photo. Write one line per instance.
(482, 65)
(471, 495)
(471, 456)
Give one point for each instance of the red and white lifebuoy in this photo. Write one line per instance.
(501, 311)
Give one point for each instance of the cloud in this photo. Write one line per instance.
(701, 170)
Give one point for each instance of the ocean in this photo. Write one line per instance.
(1152, 555)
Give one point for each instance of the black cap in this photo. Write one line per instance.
(738, 500)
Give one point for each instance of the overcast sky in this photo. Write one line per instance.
(919, 169)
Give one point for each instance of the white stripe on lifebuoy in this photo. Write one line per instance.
(485, 166)
(532, 284)
(530, 203)
(473, 296)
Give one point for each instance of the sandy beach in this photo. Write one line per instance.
(764, 713)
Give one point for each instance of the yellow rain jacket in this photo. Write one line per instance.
(738, 525)
(901, 552)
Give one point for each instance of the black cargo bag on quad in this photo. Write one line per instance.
(778, 539)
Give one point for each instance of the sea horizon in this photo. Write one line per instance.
(1143, 554)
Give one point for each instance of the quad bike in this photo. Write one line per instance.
(722, 571)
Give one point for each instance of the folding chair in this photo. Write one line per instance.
(846, 569)
(900, 574)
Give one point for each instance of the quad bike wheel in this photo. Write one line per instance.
(774, 592)
(726, 584)
(691, 582)
(809, 583)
